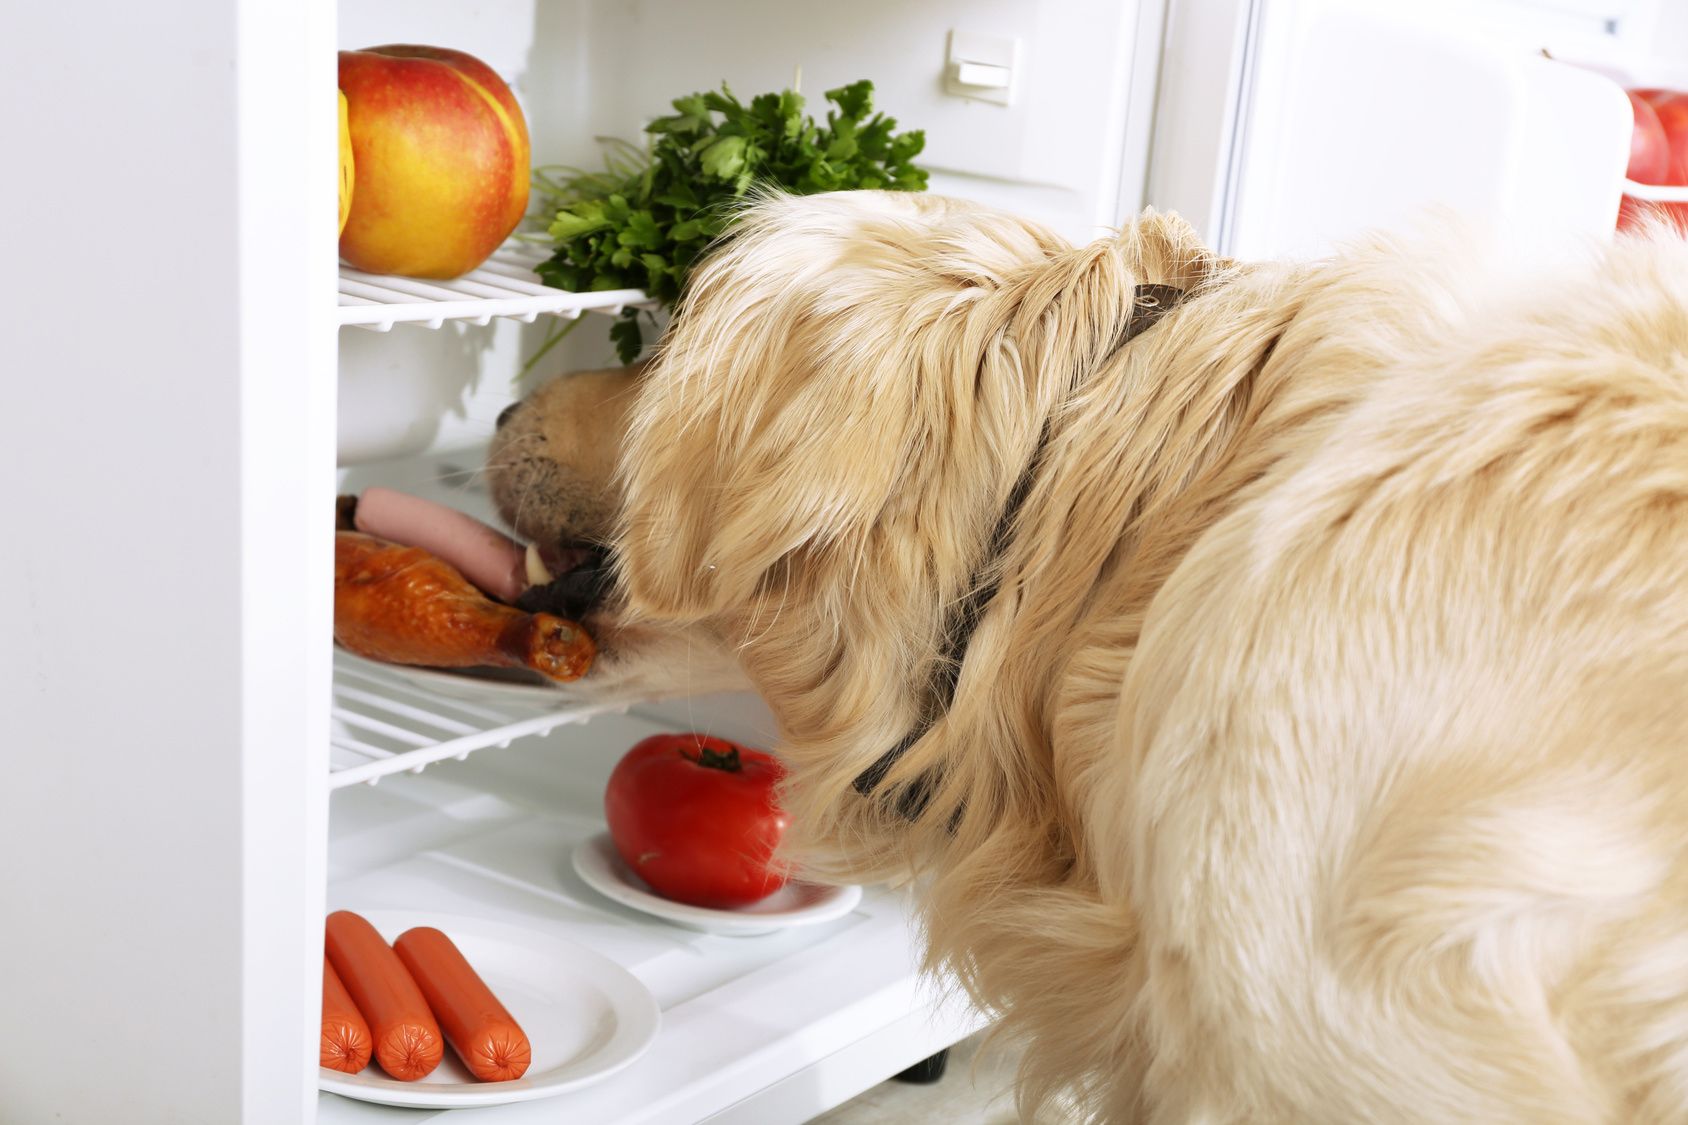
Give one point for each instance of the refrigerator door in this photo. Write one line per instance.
(1338, 117)
(164, 662)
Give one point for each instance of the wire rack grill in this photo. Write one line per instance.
(385, 722)
(504, 285)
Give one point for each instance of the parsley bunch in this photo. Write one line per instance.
(643, 222)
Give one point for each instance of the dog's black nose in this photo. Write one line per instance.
(504, 415)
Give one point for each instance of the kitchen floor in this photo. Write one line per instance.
(975, 1090)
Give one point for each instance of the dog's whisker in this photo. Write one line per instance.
(470, 476)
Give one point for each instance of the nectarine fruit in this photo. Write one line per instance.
(440, 160)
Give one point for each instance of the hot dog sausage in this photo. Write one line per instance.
(406, 1039)
(476, 1025)
(484, 555)
(345, 1035)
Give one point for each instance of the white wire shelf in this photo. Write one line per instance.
(385, 723)
(503, 285)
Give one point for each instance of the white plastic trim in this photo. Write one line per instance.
(1658, 193)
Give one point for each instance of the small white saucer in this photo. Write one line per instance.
(795, 904)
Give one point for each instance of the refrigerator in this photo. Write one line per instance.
(195, 776)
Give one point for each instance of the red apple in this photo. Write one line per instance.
(1633, 213)
(1649, 152)
(440, 156)
(1672, 110)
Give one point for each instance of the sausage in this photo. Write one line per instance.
(477, 1026)
(484, 555)
(345, 1036)
(406, 1039)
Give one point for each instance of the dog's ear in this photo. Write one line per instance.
(804, 385)
(731, 480)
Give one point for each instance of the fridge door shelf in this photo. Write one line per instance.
(386, 723)
(1657, 193)
(505, 285)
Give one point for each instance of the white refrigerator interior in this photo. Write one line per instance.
(757, 1029)
(190, 784)
(1069, 149)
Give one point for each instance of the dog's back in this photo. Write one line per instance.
(1405, 769)
(1322, 755)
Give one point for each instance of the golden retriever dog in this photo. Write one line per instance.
(1281, 705)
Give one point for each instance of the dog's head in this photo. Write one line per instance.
(800, 403)
(806, 477)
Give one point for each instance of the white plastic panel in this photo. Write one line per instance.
(1360, 117)
(1284, 126)
(1207, 58)
(1055, 154)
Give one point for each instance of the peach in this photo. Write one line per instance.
(345, 165)
(440, 160)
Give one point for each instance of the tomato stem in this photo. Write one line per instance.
(727, 759)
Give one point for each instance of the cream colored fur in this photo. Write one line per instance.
(1324, 756)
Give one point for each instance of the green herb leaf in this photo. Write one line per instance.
(641, 230)
(573, 224)
(649, 216)
(724, 158)
(854, 100)
(627, 337)
(686, 231)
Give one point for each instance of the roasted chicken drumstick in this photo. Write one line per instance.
(403, 605)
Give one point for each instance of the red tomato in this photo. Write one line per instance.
(1649, 151)
(695, 818)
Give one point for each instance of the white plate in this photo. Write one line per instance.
(585, 1016)
(476, 685)
(472, 685)
(795, 904)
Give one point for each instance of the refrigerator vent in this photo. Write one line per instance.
(386, 723)
(504, 285)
